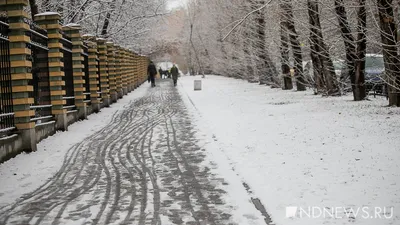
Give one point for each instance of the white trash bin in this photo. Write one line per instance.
(197, 85)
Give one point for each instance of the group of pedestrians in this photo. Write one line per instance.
(152, 72)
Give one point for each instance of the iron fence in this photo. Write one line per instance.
(85, 55)
(40, 73)
(68, 73)
(6, 106)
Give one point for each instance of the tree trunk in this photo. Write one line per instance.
(355, 56)
(320, 48)
(296, 48)
(34, 8)
(104, 30)
(318, 73)
(359, 91)
(390, 55)
(260, 44)
(45, 5)
(249, 64)
(284, 49)
(106, 23)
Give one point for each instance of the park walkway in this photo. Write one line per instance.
(142, 168)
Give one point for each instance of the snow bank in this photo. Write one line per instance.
(26, 172)
(297, 149)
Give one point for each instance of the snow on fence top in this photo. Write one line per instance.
(48, 14)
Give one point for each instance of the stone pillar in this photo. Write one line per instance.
(93, 73)
(136, 67)
(21, 72)
(142, 70)
(146, 64)
(118, 71)
(128, 70)
(50, 22)
(73, 30)
(112, 71)
(124, 71)
(104, 86)
(134, 76)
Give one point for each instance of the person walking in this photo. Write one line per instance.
(152, 72)
(175, 74)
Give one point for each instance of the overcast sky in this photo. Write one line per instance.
(175, 3)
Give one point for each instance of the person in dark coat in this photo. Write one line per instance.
(175, 74)
(152, 72)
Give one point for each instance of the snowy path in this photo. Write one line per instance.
(144, 167)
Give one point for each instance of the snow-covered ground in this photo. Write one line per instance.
(295, 149)
(26, 172)
(287, 148)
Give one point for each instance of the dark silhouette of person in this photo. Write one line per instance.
(175, 74)
(152, 72)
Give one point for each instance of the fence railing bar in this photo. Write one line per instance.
(87, 101)
(4, 24)
(8, 137)
(66, 40)
(40, 118)
(39, 46)
(39, 34)
(86, 93)
(69, 107)
(68, 97)
(3, 38)
(67, 50)
(46, 123)
(40, 106)
(72, 111)
(6, 114)
(6, 129)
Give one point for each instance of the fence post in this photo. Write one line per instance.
(21, 72)
(132, 68)
(142, 61)
(146, 64)
(50, 22)
(128, 71)
(123, 72)
(93, 72)
(104, 81)
(118, 71)
(112, 71)
(135, 69)
(73, 31)
(139, 67)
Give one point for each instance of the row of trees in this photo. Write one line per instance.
(129, 23)
(262, 40)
